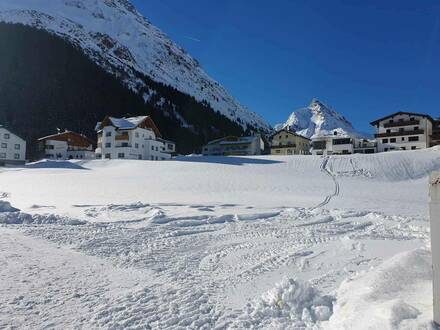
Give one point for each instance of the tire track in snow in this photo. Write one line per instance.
(325, 169)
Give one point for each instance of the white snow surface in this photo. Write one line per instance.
(300, 242)
(119, 39)
(319, 119)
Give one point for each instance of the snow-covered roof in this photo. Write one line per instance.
(127, 123)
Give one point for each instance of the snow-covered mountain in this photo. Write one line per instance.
(119, 39)
(318, 119)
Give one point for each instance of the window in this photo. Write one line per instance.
(278, 151)
(391, 121)
(108, 145)
(17, 147)
(108, 156)
(403, 139)
(157, 158)
(16, 156)
(412, 118)
(108, 134)
(388, 131)
(140, 157)
(413, 148)
(7, 136)
(4, 145)
(384, 140)
(393, 140)
(136, 134)
(152, 157)
(401, 120)
(152, 148)
(157, 149)
(401, 129)
(2, 155)
(121, 155)
(124, 144)
(413, 138)
(386, 149)
(341, 141)
(402, 148)
(50, 147)
(416, 128)
(136, 145)
(318, 144)
(170, 146)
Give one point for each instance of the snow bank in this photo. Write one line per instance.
(290, 305)
(46, 163)
(12, 216)
(395, 295)
(6, 207)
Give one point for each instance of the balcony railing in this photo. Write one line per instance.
(121, 137)
(402, 133)
(402, 123)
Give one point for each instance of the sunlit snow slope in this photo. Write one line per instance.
(118, 38)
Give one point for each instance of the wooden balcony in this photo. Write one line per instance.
(404, 133)
(402, 123)
(122, 137)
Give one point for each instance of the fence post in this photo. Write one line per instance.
(434, 213)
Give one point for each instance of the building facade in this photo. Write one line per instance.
(66, 145)
(12, 148)
(287, 142)
(131, 138)
(235, 146)
(332, 145)
(403, 131)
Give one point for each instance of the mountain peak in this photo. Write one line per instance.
(319, 119)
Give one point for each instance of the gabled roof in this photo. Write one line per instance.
(6, 128)
(289, 132)
(72, 138)
(129, 123)
(374, 123)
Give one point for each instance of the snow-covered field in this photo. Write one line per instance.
(215, 242)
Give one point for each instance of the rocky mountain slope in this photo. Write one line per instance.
(119, 39)
(318, 119)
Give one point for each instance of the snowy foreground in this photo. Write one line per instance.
(254, 242)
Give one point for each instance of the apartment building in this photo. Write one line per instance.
(287, 142)
(404, 131)
(12, 148)
(66, 145)
(235, 146)
(332, 145)
(131, 138)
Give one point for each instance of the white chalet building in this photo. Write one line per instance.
(12, 148)
(235, 146)
(332, 145)
(403, 131)
(66, 145)
(131, 138)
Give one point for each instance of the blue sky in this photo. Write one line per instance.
(364, 58)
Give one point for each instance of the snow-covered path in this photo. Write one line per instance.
(198, 253)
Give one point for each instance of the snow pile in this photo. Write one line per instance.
(47, 163)
(119, 39)
(290, 305)
(319, 119)
(6, 207)
(12, 216)
(396, 295)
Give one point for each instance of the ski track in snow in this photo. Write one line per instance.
(140, 266)
(325, 169)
